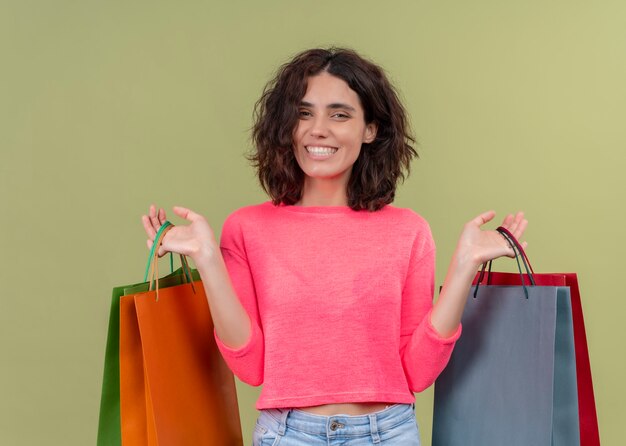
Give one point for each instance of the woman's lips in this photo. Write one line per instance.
(320, 152)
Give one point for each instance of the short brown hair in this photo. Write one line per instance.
(380, 164)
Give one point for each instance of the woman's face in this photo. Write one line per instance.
(330, 129)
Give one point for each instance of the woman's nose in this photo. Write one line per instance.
(319, 127)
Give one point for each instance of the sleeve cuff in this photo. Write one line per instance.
(434, 334)
(234, 352)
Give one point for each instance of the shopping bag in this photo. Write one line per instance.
(128, 347)
(512, 376)
(109, 425)
(587, 416)
(175, 388)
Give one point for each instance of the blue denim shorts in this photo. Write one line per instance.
(395, 425)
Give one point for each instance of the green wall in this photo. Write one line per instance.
(106, 107)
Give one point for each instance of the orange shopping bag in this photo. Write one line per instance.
(175, 388)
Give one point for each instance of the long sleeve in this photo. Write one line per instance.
(246, 362)
(423, 352)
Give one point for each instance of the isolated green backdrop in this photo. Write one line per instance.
(106, 107)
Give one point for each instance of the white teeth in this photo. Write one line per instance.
(321, 150)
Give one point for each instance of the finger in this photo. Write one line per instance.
(152, 214)
(187, 214)
(160, 252)
(514, 227)
(511, 252)
(148, 226)
(162, 216)
(483, 218)
(508, 220)
(519, 231)
(154, 218)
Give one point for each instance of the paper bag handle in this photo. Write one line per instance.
(152, 268)
(519, 254)
(518, 245)
(158, 239)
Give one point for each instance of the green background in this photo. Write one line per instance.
(106, 107)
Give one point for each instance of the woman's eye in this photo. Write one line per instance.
(341, 115)
(304, 113)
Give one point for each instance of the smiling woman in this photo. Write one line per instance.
(324, 294)
(328, 139)
(318, 97)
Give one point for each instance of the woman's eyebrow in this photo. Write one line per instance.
(337, 105)
(333, 106)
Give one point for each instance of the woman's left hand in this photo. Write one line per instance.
(478, 246)
(475, 247)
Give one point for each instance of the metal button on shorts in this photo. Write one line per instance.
(335, 425)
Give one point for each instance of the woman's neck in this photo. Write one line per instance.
(323, 193)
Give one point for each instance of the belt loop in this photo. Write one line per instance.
(284, 413)
(374, 428)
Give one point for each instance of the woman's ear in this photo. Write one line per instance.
(370, 132)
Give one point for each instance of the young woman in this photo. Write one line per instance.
(324, 294)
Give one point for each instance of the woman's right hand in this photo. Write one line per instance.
(194, 240)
